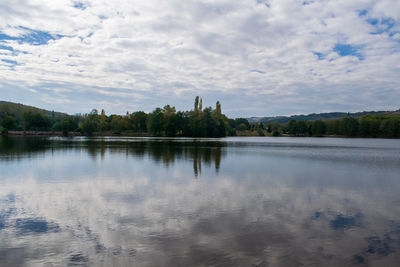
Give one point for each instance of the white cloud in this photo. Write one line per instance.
(207, 48)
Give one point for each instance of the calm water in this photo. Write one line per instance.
(187, 202)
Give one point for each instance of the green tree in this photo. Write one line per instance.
(218, 110)
(374, 127)
(137, 121)
(104, 125)
(365, 126)
(170, 120)
(297, 128)
(118, 123)
(260, 129)
(292, 127)
(194, 124)
(333, 127)
(155, 122)
(209, 123)
(196, 104)
(349, 126)
(241, 124)
(221, 121)
(9, 122)
(36, 121)
(269, 128)
(91, 123)
(276, 129)
(66, 125)
(390, 127)
(301, 128)
(318, 128)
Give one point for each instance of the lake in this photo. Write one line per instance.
(248, 201)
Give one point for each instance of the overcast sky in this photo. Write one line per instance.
(258, 57)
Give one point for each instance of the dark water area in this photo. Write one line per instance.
(199, 202)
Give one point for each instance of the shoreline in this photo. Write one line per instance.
(70, 134)
(40, 133)
(143, 134)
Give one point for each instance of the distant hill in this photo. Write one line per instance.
(320, 116)
(19, 109)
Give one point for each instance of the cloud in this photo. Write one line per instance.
(216, 49)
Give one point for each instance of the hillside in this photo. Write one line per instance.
(320, 116)
(19, 109)
(14, 116)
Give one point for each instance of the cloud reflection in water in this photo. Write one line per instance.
(119, 206)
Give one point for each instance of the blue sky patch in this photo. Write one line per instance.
(258, 71)
(32, 37)
(373, 21)
(348, 50)
(35, 226)
(382, 25)
(319, 55)
(363, 12)
(79, 5)
(4, 47)
(10, 61)
(305, 3)
(346, 222)
(6, 37)
(263, 2)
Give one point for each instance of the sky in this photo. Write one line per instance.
(257, 57)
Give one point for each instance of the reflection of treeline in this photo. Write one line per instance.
(366, 126)
(163, 151)
(199, 122)
(17, 146)
(166, 152)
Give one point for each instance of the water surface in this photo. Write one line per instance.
(199, 202)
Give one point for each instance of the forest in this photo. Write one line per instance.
(198, 122)
(166, 121)
(383, 126)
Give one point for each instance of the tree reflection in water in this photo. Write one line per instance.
(165, 151)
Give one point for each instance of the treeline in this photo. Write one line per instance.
(385, 126)
(166, 121)
(321, 116)
(198, 122)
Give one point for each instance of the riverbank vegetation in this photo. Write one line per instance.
(198, 122)
(166, 121)
(383, 126)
